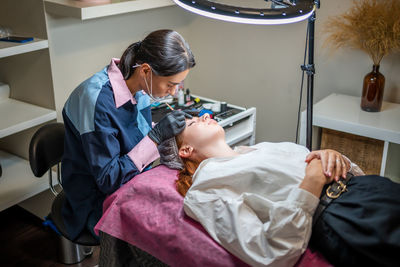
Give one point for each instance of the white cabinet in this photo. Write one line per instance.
(343, 113)
(26, 97)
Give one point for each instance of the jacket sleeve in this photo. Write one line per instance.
(110, 168)
(354, 168)
(107, 165)
(144, 153)
(258, 231)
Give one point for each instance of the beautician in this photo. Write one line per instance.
(108, 128)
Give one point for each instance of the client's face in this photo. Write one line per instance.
(201, 132)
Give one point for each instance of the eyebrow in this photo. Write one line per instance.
(173, 83)
(190, 123)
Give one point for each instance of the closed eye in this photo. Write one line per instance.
(190, 123)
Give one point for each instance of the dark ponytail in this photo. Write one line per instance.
(127, 59)
(164, 50)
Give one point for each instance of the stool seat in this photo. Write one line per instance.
(85, 238)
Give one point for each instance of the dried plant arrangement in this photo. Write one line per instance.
(372, 26)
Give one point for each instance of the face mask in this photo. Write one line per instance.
(150, 91)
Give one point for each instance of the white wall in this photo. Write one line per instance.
(246, 65)
(260, 66)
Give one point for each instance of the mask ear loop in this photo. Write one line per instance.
(151, 85)
(151, 81)
(150, 92)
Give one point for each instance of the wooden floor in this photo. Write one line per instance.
(25, 242)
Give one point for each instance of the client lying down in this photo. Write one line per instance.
(258, 202)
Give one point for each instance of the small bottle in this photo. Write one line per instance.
(187, 96)
(181, 98)
(224, 106)
(216, 107)
(180, 87)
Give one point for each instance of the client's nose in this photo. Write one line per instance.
(205, 116)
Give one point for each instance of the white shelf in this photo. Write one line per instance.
(10, 49)
(16, 116)
(18, 182)
(343, 113)
(85, 10)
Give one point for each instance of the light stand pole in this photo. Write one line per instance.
(310, 70)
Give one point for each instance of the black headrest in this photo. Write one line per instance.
(46, 148)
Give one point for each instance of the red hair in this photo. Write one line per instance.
(184, 181)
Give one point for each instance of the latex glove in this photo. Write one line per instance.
(169, 154)
(169, 126)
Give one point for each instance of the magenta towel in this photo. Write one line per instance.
(147, 212)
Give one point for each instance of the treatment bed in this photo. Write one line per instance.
(143, 224)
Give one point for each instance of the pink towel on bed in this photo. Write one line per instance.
(147, 212)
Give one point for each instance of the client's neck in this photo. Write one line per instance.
(218, 149)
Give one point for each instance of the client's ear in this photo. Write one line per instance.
(185, 151)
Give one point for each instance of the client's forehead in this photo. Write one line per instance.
(190, 121)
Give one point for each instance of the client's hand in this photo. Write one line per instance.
(314, 179)
(333, 163)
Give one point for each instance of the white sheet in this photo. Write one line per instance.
(251, 204)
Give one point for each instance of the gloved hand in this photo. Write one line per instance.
(169, 154)
(169, 126)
